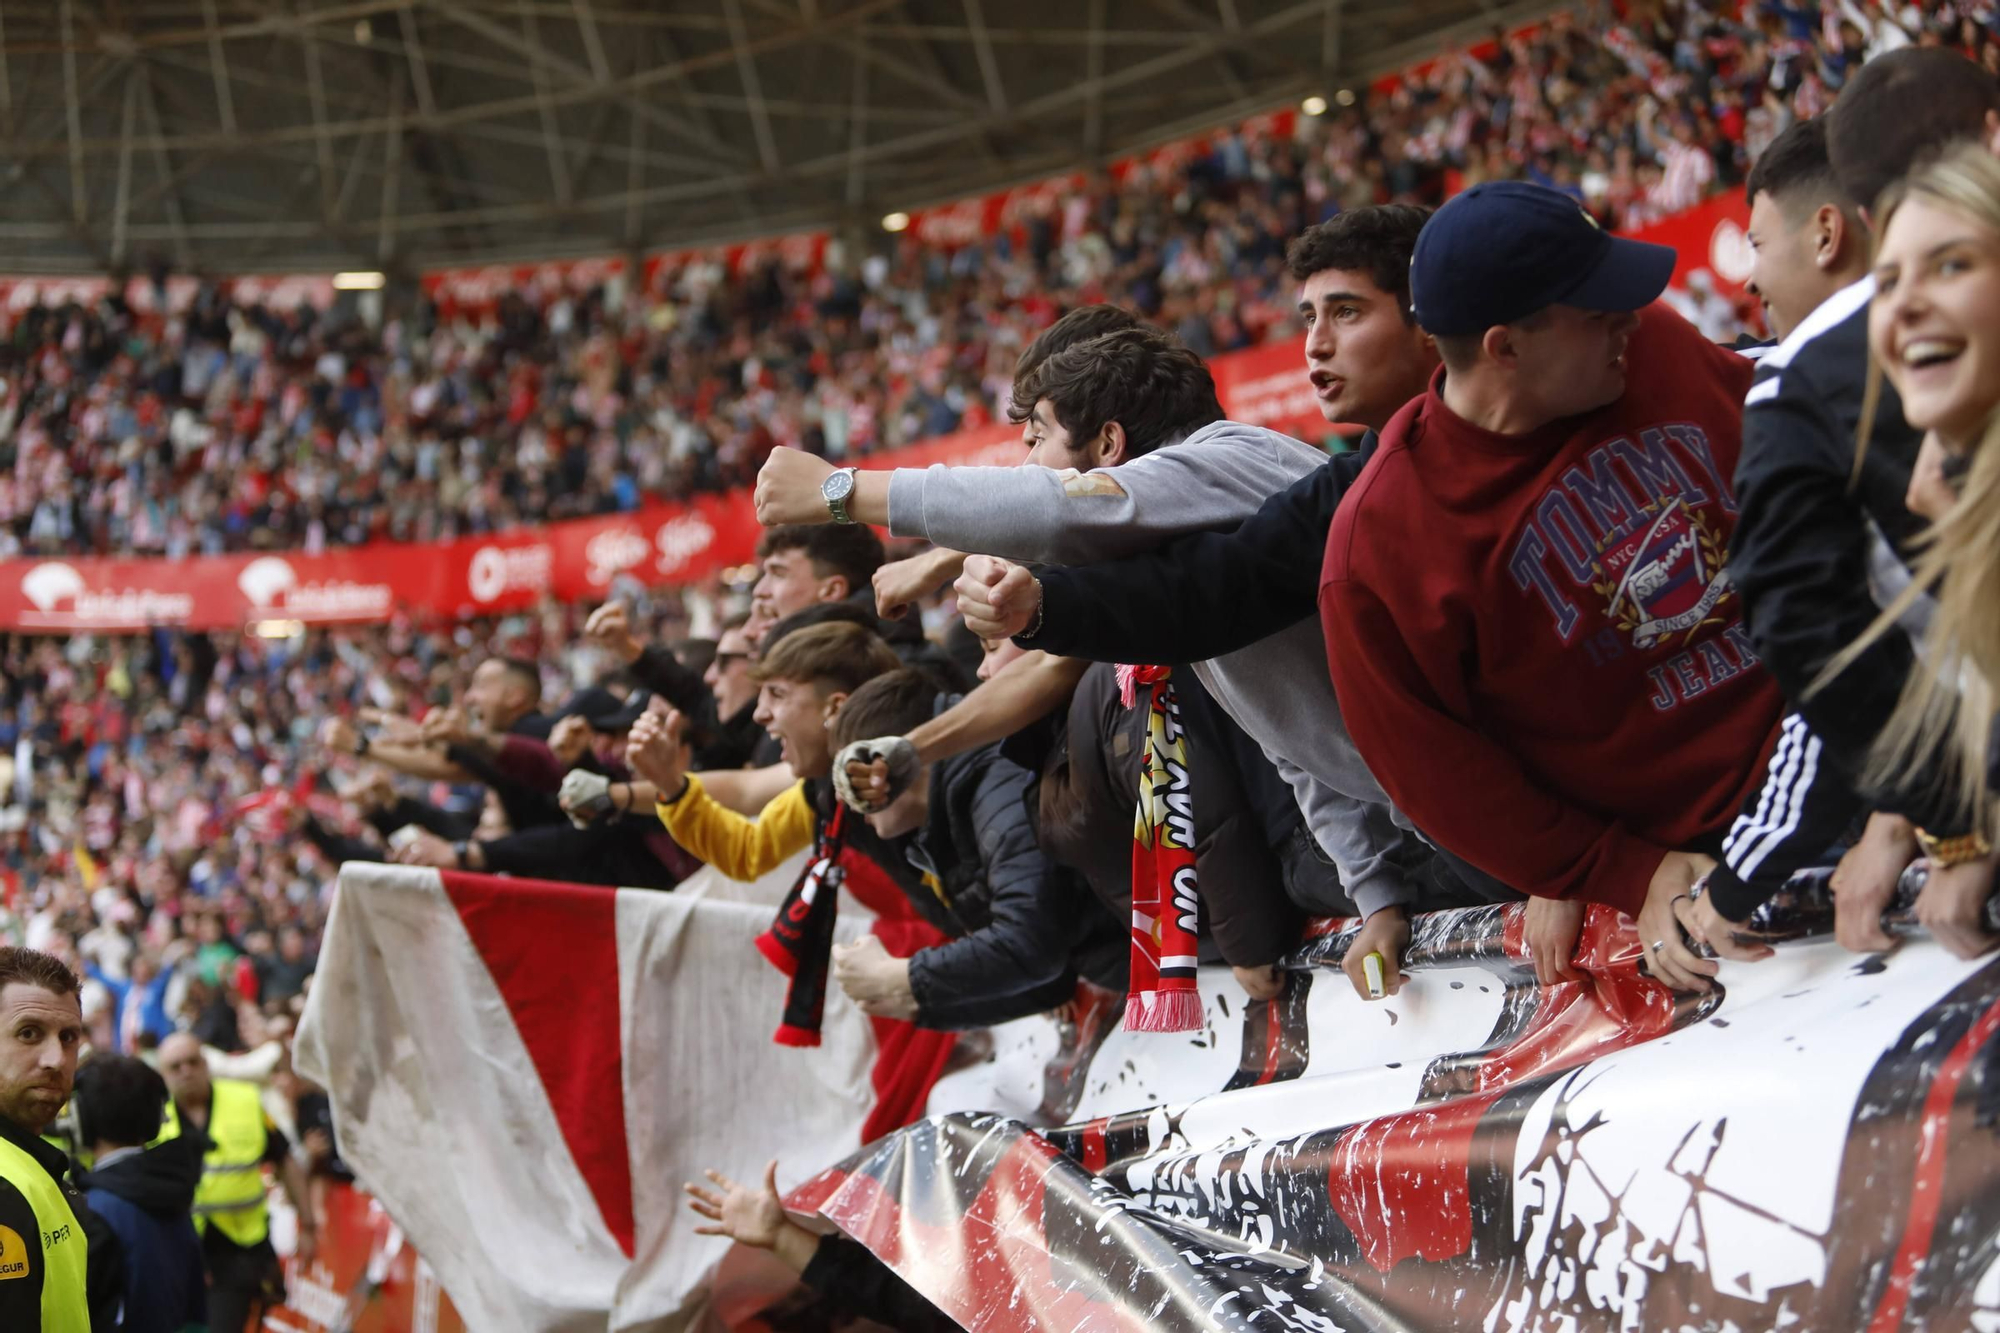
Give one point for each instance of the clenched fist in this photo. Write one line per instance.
(610, 628)
(788, 489)
(900, 583)
(656, 750)
(997, 598)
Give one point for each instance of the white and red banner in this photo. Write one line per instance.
(524, 1074)
(1810, 1146)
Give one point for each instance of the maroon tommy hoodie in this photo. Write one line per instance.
(1533, 637)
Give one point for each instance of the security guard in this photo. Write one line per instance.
(245, 1277)
(43, 1251)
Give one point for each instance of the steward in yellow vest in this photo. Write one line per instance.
(245, 1276)
(43, 1251)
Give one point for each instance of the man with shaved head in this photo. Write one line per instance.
(244, 1274)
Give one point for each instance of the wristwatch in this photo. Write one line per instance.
(1943, 852)
(836, 489)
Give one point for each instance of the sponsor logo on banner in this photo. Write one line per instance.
(272, 584)
(681, 539)
(1729, 252)
(498, 570)
(612, 552)
(52, 583)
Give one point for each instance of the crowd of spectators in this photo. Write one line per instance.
(158, 793)
(231, 428)
(174, 803)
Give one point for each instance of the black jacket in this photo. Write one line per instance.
(1205, 594)
(1800, 559)
(857, 1283)
(1015, 920)
(718, 742)
(145, 1199)
(1091, 789)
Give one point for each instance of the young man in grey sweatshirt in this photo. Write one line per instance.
(1079, 500)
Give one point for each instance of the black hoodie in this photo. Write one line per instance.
(145, 1198)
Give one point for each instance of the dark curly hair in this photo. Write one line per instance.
(1081, 325)
(1377, 240)
(1140, 378)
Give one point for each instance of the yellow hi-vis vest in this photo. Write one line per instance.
(231, 1197)
(65, 1308)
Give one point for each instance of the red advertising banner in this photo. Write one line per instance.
(658, 544)
(1713, 235)
(284, 291)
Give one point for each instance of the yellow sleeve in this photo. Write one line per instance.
(739, 847)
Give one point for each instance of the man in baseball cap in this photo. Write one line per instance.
(1527, 619)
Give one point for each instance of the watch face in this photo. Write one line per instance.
(838, 486)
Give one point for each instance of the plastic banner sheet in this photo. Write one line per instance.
(1812, 1146)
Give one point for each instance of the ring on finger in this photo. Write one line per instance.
(1659, 946)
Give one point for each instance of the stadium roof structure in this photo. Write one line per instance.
(235, 136)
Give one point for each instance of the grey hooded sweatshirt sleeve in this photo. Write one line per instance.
(1278, 691)
(1215, 478)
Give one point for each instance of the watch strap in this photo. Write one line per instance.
(1956, 850)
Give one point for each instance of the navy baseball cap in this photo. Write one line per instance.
(1505, 249)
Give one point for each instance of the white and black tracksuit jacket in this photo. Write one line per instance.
(1807, 537)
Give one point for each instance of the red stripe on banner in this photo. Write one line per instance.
(1274, 1041)
(1927, 1185)
(1094, 1154)
(1403, 1183)
(566, 1008)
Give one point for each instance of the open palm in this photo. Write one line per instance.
(744, 1213)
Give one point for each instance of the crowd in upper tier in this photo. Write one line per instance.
(231, 428)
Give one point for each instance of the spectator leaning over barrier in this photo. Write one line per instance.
(1241, 604)
(1807, 240)
(503, 699)
(1935, 333)
(44, 1253)
(244, 1275)
(1139, 412)
(1815, 533)
(803, 680)
(144, 1195)
(902, 582)
(1526, 614)
(1015, 920)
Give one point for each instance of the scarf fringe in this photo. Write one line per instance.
(1163, 1011)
